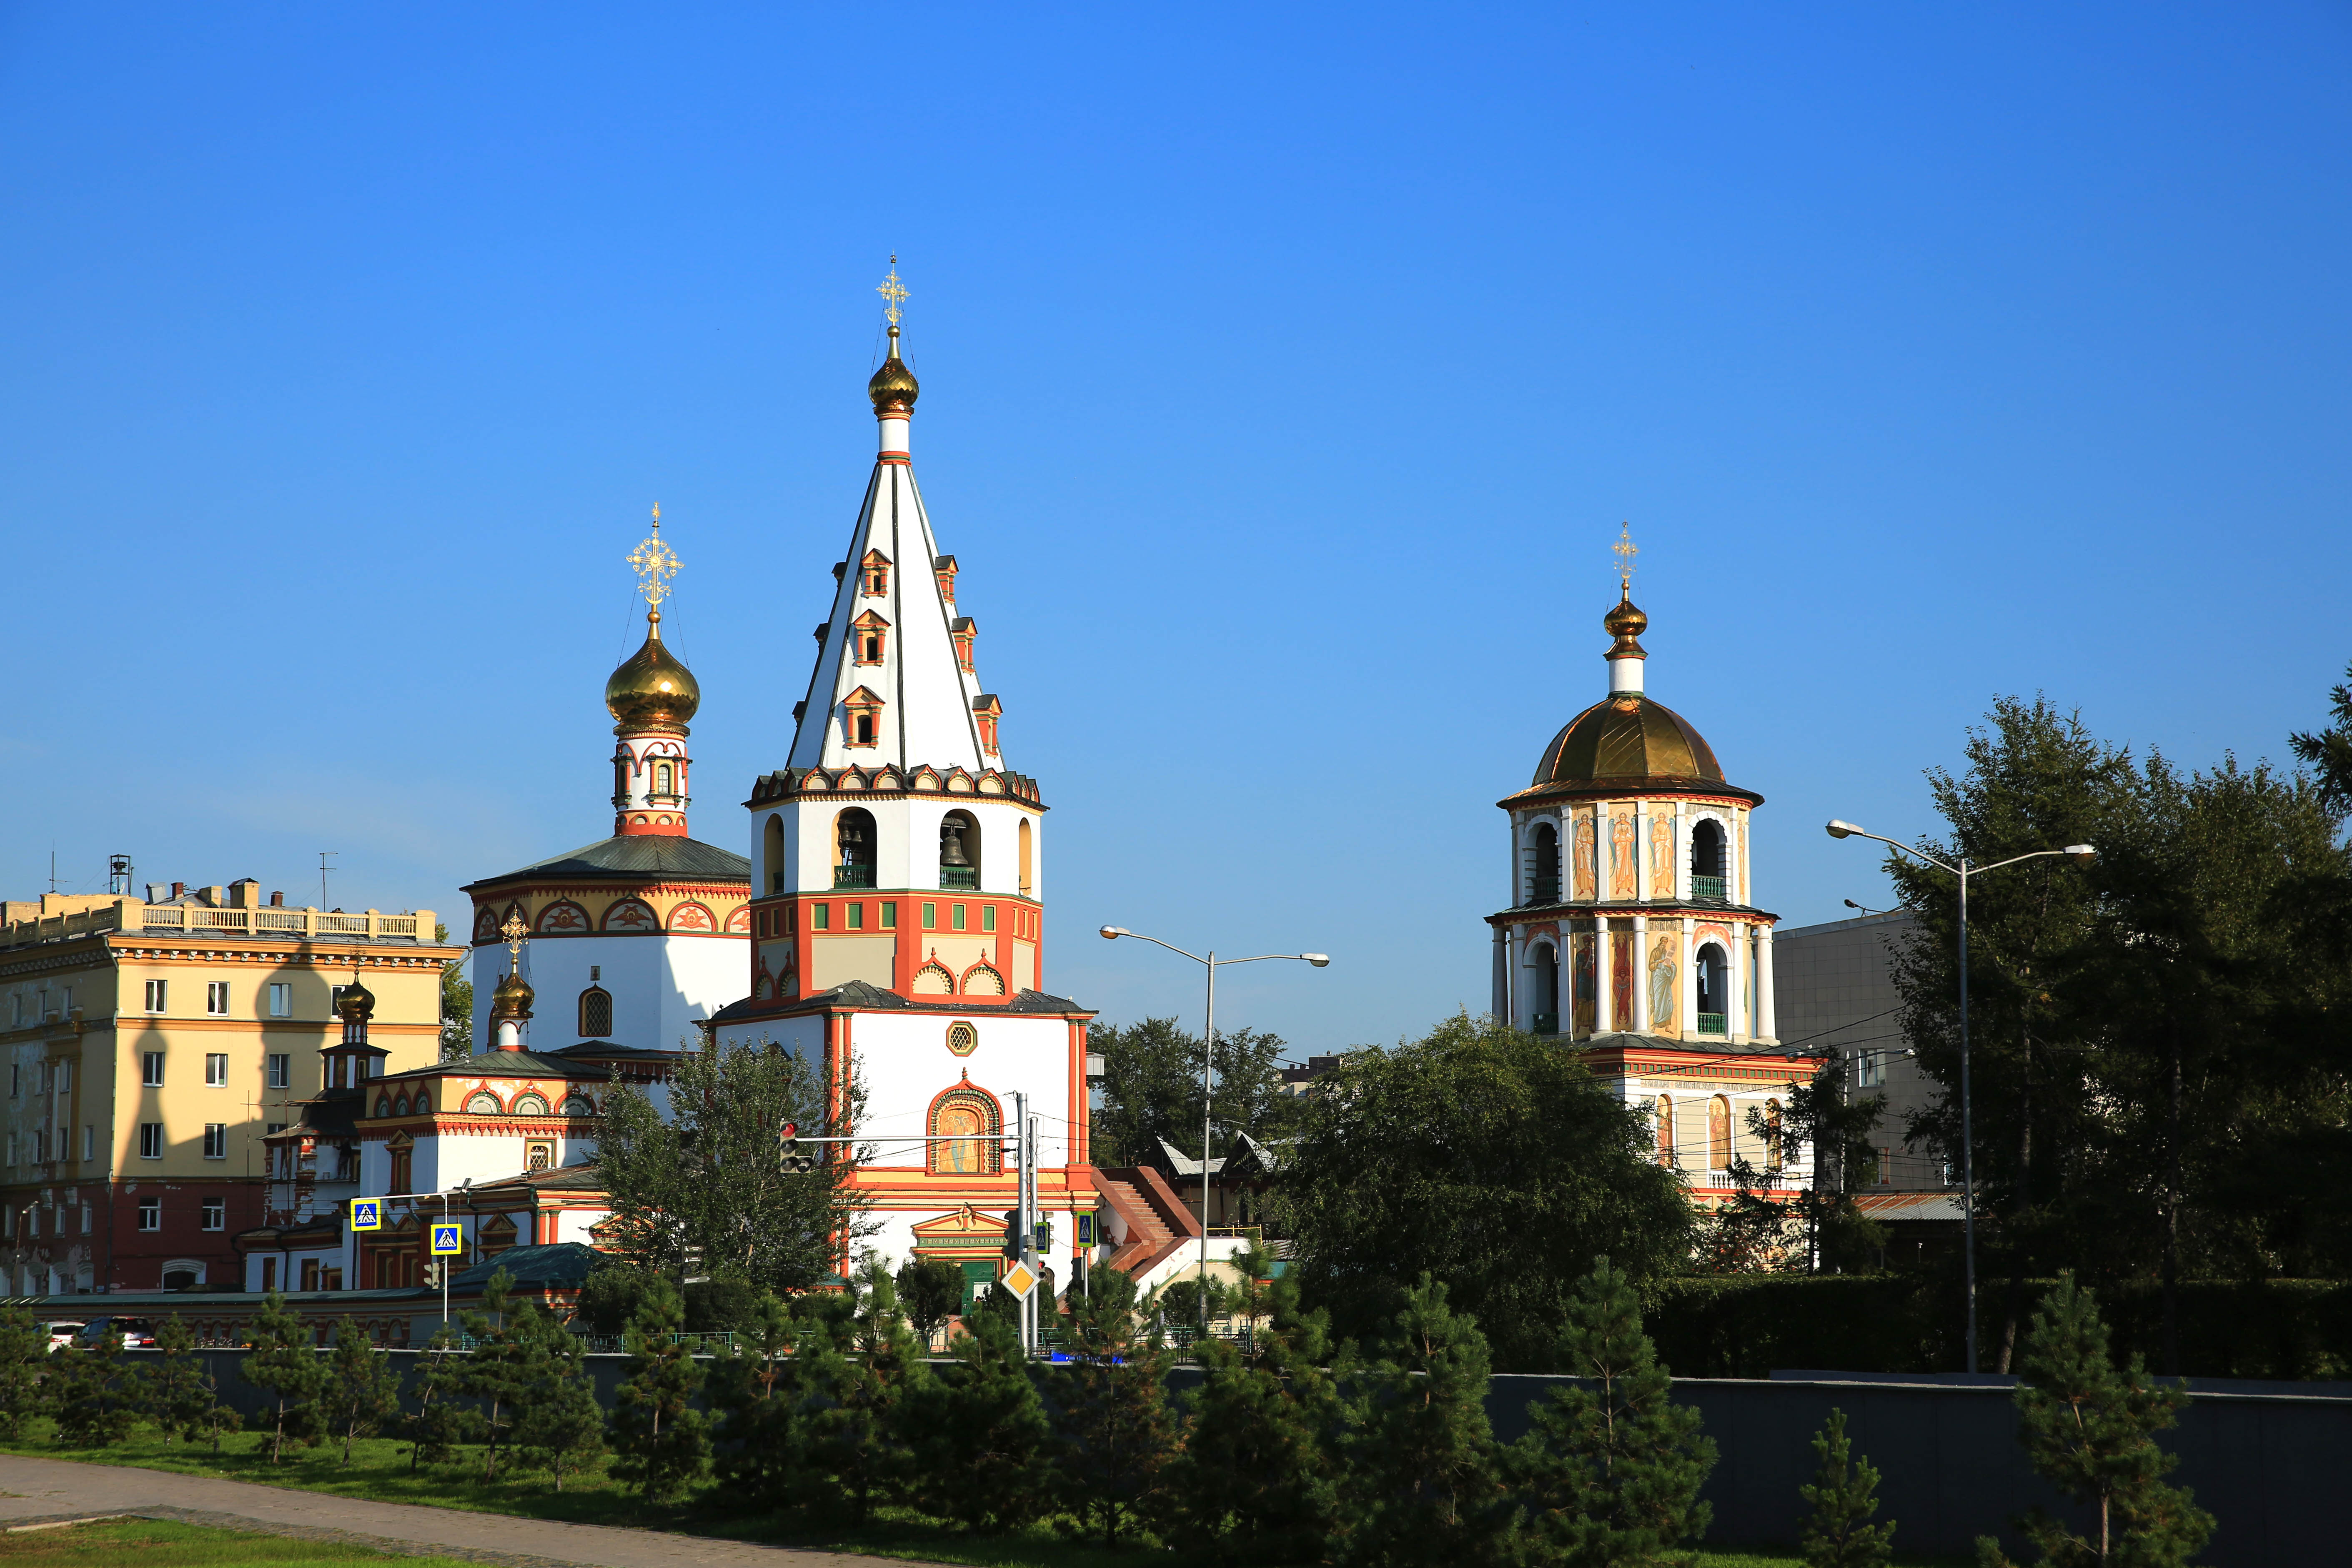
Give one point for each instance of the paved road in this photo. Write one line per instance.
(33, 1489)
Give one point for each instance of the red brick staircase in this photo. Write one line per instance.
(1156, 1222)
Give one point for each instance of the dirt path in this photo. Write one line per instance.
(33, 1489)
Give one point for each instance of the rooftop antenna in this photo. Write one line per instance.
(118, 876)
(53, 868)
(323, 870)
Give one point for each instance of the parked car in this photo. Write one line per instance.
(137, 1333)
(61, 1332)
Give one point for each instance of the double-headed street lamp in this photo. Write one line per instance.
(2083, 854)
(1208, 1055)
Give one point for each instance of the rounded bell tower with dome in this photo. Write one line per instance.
(1631, 908)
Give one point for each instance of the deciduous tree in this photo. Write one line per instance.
(1151, 1091)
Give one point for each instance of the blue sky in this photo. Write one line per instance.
(1286, 376)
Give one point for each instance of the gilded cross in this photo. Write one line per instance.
(655, 563)
(1625, 549)
(893, 292)
(513, 931)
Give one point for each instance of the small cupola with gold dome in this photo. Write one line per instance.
(352, 1061)
(651, 697)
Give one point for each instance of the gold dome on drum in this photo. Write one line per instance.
(357, 1004)
(894, 384)
(651, 691)
(1628, 740)
(510, 1000)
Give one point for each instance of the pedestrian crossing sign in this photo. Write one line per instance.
(367, 1214)
(448, 1238)
(1019, 1279)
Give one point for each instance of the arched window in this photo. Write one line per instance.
(1543, 865)
(1706, 859)
(596, 1013)
(854, 839)
(1714, 993)
(958, 851)
(1772, 1155)
(933, 980)
(1666, 1130)
(973, 1119)
(1027, 879)
(772, 856)
(664, 780)
(1543, 989)
(530, 1102)
(980, 980)
(1718, 1133)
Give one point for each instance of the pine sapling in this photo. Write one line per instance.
(496, 1369)
(859, 1372)
(178, 1396)
(662, 1439)
(440, 1423)
(1115, 1435)
(979, 1432)
(757, 1396)
(1611, 1466)
(93, 1395)
(561, 1426)
(24, 1356)
(362, 1390)
(1844, 1495)
(281, 1359)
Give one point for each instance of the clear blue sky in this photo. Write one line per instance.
(1287, 374)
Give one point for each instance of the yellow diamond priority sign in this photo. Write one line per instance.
(1019, 1279)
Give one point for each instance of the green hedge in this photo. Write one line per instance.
(1747, 1325)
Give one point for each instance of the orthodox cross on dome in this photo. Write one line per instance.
(894, 294)
(513, 931)
(654, 564)
(1625, 549)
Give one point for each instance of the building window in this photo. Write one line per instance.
(150, 1140)
(1706, 859)
(216, 1141)
(216, 1215)
(89, 1152)
(988, 917)
(15, 1080)
(820, 917)
(309, 1274)
(12, 1151)
(216, 1069)
(870, 637)
(596, 1013)
(158, 992)
(281, 999)
(956, 917)
(889, 917)
(281, 1071)
(151, 1213)
(930, 917)
(540, 1156)
(875, 572)
(1543, 865)
(854, 917)
(862, 717)
(216, 997)
(64, 1074)
(1869, 1068)
(151, 1069)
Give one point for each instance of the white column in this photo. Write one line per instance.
(1502, 998)
(1682, 850)
(1736, 983)
(1641, 849)
(1766, 1023)
(1640, 1021)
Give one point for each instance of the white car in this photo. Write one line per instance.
(61, 1332)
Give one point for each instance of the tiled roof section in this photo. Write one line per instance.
(502, 1064)
(562, 1263)
(860, 995)
(563, 1179)
(648, 855)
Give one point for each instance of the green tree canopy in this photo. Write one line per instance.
(1485, 1158)
(1151, 1089)
(709, 1181)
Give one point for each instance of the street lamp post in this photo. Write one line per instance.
(1208, 1056)
(2083, 854)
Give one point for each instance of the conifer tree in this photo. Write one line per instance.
(1254, 1481)
(93, 1395)
(1420, 1480)
(178, 1396)
(1113, 1432)
(282, 1359)
(561, 1426)
(662, 1439)
(2090, 1431)
(1611, 1468)
(362, 1390)
(497, 1370)
(978, 1431)
(858, 1374)
(24, 1357)
(757, 1393)
(440, 1423)
(1844, 1495)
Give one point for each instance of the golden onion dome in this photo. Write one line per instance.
(651, 691)
(894, 384)
(357, 1004)
(1628, 741)
(1625, 622)
(511, 999)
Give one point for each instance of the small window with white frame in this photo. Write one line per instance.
(216, 1069)
(151, 1213)
(217, 998)
(216, 1213)
(150, 1140)
(281, 1071)
(216, 1141)
(281, 999)
(151, 1069)
(159, 994)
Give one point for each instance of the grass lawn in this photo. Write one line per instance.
(159, 1543)
(380, 1469)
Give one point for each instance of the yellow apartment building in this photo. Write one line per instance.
(150, 1044)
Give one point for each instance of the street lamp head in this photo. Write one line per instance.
(1112, 933)
(1837, 829)
(1319, 960)
(2082, 854)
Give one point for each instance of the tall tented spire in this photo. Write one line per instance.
(893, 681)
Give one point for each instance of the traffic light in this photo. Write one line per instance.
(1011, 1233)
(433, 1273)
(796, 1159)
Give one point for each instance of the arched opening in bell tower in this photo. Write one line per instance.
(1028, 879)
(855, 838)
(1543, 989)
(1714, 991)
(1543, 864)
(772, 856)
(958, 851)
(1706, 859)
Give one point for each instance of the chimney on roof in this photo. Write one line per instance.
(276, 901)
(179, 890)
(245, 893)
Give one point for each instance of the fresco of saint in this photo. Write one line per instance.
(1620, 855)
(1664, 1017)
(1662, 856)
(1620, 978)
(1583, 864)
(1586, 983)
